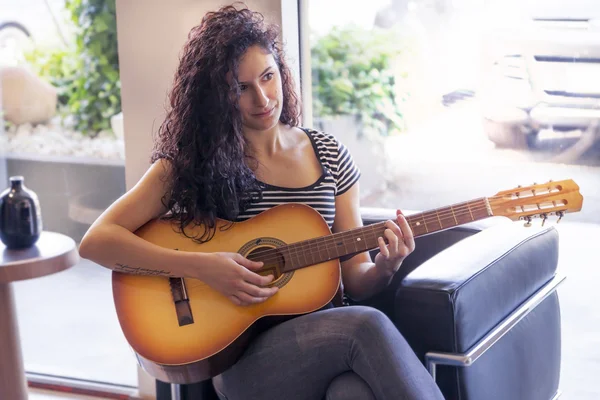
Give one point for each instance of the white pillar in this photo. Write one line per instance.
(151, 34)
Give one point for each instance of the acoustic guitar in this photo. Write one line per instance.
(183, 331)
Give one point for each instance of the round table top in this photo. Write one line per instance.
(53, 252)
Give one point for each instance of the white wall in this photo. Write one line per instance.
(150, 35)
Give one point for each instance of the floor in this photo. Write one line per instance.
(68, 324)
(38, 394)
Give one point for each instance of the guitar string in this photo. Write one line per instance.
(297, 249)
(426, 218)
(344, 235)
(273, 254)
(434, 216)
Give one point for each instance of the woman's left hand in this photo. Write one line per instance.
(400, 244)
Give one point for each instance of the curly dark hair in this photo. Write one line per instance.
(202, 133)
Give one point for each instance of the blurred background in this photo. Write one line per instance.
(439, 101)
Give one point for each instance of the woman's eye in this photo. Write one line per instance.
(269, 76)
(243, 88)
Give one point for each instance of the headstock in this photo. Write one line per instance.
(543, 200)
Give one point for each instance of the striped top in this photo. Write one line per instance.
(339, 173)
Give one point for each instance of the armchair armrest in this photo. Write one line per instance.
(432, 358)
(491, 297)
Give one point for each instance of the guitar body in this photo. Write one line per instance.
(220, 331)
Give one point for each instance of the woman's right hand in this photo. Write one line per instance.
(232, 275)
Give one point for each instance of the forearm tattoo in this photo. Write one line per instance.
(140, 271)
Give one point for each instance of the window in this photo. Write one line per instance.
(444, 101)
(69, 148)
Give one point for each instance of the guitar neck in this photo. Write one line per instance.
(338, 245)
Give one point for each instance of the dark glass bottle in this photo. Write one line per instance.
(20, 215)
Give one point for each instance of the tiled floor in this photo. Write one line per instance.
(69, 327)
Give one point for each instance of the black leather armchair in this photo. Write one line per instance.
(478, 305)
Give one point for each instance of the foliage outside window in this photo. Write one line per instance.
(354, 74)
(86, 75)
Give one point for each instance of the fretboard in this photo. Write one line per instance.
(338, 245)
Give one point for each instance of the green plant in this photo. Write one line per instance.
(57, 66)
(96, 95)
(86, 74)
(352, 74)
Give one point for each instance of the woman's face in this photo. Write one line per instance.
(261, 98)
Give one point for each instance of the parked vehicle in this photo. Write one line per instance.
(541, 73)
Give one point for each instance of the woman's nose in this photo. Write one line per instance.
(261, 98)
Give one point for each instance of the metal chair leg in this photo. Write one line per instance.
(176, 392)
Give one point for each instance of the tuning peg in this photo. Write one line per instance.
(528, 223)
(543, 217)
(560, 215)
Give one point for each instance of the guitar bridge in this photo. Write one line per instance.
(181, 301)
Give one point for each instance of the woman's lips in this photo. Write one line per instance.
(265, 114)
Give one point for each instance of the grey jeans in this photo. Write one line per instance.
(352, 352)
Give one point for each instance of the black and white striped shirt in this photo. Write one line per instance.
(339, 173)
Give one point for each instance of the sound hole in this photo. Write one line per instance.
(273, 265)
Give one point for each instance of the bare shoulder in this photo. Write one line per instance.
(297, 135)
(159, 172)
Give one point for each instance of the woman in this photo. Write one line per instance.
(230, 147)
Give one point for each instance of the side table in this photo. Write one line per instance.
(53, 252)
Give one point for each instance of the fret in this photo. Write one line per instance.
(416, 225)
(375, 234)
(345, 243)
(424, 223)
(318, 257)
(459, 216)
(372, 238)
(314, 259)
(453, 215)
(290, 252)
(338, 241)
(322, 257)
(471, 213)
(432, 221)
(358, 240)
(302, 250)
(301, 253)
(354, 239)
(449, 218)
(328, 249)
(367, 236)
(315, 251)
(297, 255)
(365, 239)
(480, 210)
(438, 218)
